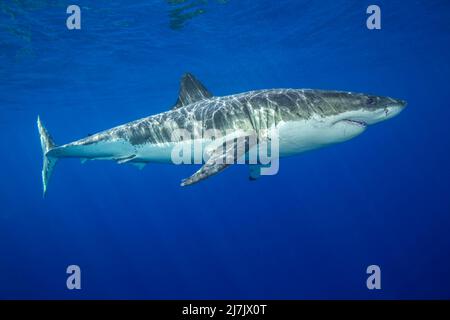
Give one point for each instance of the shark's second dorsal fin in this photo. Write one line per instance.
(191, 90)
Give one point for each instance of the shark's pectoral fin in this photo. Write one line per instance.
(216, 163)
(206, 171)
(221, 157)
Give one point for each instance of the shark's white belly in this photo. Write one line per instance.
(161, 153)
(300, 136)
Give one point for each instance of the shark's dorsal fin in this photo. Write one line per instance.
(191, 90)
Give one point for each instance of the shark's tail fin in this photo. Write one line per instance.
(49, 162)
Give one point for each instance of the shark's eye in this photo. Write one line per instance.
(370, 100)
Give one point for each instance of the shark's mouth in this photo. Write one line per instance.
(359, 123)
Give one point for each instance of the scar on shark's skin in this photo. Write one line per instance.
(304, 119)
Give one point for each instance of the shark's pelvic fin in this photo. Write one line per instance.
(191, 90)
(220, 158)
(130, 160)
(125, 159)
(47, 144)
(254, 171)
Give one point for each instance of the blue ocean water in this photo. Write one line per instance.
(307, 233)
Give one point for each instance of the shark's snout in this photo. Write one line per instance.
(394, 108)
(398, 103)
(373, 110)
(403, 103)
(385, 108)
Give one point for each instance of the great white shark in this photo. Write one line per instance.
(304, 119)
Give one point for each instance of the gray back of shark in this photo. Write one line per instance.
(304, 120)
